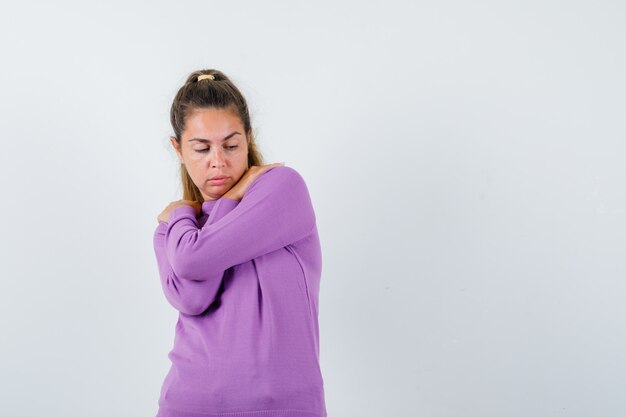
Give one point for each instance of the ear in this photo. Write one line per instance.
(177, 149)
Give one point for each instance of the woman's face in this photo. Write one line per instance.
(213, 144)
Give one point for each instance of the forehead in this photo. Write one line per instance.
(212, 124)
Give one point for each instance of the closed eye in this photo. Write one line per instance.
(207, 149)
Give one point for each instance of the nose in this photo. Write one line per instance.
(218, 159)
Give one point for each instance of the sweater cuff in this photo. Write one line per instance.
(180, 212)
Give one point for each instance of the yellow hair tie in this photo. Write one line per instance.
(205, 76)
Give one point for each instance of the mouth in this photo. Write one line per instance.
(218, 180)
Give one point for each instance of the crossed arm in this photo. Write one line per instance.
(274, 212)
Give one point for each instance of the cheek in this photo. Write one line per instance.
(197, 157)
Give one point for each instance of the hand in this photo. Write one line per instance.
(165, 214)
(237, 191)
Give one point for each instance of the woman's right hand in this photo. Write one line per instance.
(237, 191)
(165, 214)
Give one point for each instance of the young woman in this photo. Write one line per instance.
(239, 257)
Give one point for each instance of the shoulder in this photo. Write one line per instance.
(281, 174)
(281, 177)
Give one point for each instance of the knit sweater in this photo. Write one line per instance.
(244, 277)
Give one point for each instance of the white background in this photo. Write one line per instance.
(465, 161)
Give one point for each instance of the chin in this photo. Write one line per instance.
(218, 190)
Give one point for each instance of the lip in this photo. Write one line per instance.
(218, 180)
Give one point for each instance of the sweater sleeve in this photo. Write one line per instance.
(274, 212)
(188, 296)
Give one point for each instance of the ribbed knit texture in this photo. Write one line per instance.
(245, 278)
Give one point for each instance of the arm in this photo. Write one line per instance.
(274, 212)
(187, 296)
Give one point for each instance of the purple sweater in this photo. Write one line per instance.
(245, 278)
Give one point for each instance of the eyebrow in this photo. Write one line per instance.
(208, 141)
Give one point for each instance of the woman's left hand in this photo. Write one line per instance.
(165, 214)
(239, 189)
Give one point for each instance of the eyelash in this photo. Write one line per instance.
(207, 149)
